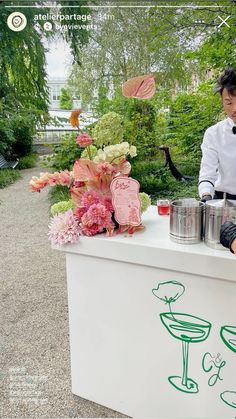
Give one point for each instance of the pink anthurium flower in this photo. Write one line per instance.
(140, 87)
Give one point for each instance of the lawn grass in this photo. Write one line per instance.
(8, 176)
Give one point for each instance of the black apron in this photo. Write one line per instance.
(220, 195)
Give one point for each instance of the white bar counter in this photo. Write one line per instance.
(129, 352)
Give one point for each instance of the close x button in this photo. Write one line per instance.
(223, 21)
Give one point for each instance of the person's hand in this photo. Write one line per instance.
(228, 236)
(233, 246)
(206, 198)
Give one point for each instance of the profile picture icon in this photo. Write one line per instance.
(16, 21)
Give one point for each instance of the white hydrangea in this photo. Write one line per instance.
(133, 151)
(115, 153)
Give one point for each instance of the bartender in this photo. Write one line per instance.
(218, 165)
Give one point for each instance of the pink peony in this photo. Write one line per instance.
(89, 198)
(64, 228)
(84, 140)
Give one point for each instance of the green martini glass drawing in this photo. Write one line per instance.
(228, 336)
(184, 327)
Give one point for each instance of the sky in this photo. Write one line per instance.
(58, 59)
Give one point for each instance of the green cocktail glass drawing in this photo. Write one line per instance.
(188, 329)
(228, 336)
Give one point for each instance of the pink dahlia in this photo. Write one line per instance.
(92, 230)
(107, 203)
(64, 228)
(84, 140)
(79, 212)
(89, 198)
(97, 214)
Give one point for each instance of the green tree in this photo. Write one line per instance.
(190, 115)
(66, 101)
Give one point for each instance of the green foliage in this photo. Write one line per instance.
(75, 38)
(190, 115)
(23, 85)
(22, 60)
(8, 176)
(6, 137)
(59, 193)
(151, 176)
(143, 124)
(27, 162)
(92, 152)
(140, 128)
(66, 101)
(23, 78)
(65, 153)
(158, 182)
(23, 131)
(218, 50)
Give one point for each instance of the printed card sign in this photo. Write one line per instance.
(125, 200)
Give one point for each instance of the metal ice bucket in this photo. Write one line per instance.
(186, 221)
(217, 211)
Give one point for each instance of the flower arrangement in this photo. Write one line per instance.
(90, 210)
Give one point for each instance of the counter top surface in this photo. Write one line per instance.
(153, 247)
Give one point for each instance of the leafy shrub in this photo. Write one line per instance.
(177, 190)
(140, 128)
(6, 138)
(142, 124)
(157, 181)
(27, 162)
(190, 115)
(151, 176)
(23, 131)
(65, 153)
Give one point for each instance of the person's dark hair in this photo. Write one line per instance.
(227, 81)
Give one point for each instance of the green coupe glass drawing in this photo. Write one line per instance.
(184, 327)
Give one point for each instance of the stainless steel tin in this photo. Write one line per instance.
(186, 221)
(217, 212)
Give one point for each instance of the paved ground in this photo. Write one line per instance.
(34, 346)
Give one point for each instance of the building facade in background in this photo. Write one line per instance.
(55, 85)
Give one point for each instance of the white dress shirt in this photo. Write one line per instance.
(218, 165)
